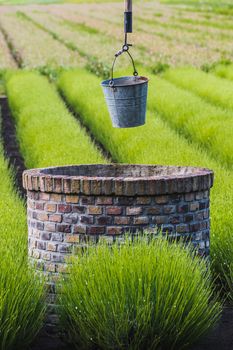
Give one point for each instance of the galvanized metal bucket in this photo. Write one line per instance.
(126, 96)
(126, 99)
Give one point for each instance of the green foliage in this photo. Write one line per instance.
(159, 67)
(224, 71)
(153, 143)
(207, 86)
(48, 133)
(209, 125)
(143, 294)
(22, 305)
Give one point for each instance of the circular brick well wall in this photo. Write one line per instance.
(72, 204)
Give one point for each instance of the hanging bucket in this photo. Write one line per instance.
(126, 98)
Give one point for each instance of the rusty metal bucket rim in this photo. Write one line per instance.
(117, 81)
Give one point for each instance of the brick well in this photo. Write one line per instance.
(68, 206)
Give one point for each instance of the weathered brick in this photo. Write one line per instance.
(143, 200)
(194, 206)
(199, 195)
(154, 210)
(42, 216)
(72, 238)
(49, 226)
(71, 199)
(79, 229)
(88, 220)
(36, 254)
(45, 236)
(39, 205)
(94, 210)
(194, 227)
(57, 237)
(94, 230)
(40, 225)
(86, 186)
(183, 208)
(79, 209)
(58, 184)
(87, 200)
(44, 196)
(160, 219)
(64, 208)
(141, 220)
(55, 197)
(104, 200)
(133, 210)
(188, 217)
(65, 248)
(122, 220)
(167, 229)
(96, 186)
(55, 217)
(52, 247)
(45, 256)
(114, 230)
(50, 207)
(114, 210)
(182, 228)
(122, 201)
(63, 228)
(71, 218)
(162, 199)
(104, 220)
(169, 209)
(189, 197)
(41, 245)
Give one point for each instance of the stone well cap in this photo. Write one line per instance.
(118, 179)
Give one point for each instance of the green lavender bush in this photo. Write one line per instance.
(143, 294)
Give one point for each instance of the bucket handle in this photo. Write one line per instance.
(125, 48)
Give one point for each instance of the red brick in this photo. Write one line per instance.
(79, 229)
(55, 197)
(95, 230)
(39, 205)
(63, 228)
(50, 226)
(72, 199)
(104, 220)
(55, 217)
(44, 196)
(72, 238)
(141, 220)
(103, 200)
(161, 199)
(64, 208)
(50, 207)
(143, 200)
(121, 220)
(133, 210)
(95, 210)
(42, 216)
(114, 230)
(113, 210)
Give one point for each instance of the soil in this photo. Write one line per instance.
(11, 145)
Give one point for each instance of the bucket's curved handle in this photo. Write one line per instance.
(125, 48)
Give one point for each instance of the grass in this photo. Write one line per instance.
(208, 86)
(224, 71)
(144, 295)
(47, 132)
(153, 143)
(22, 305)
(208, 125)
